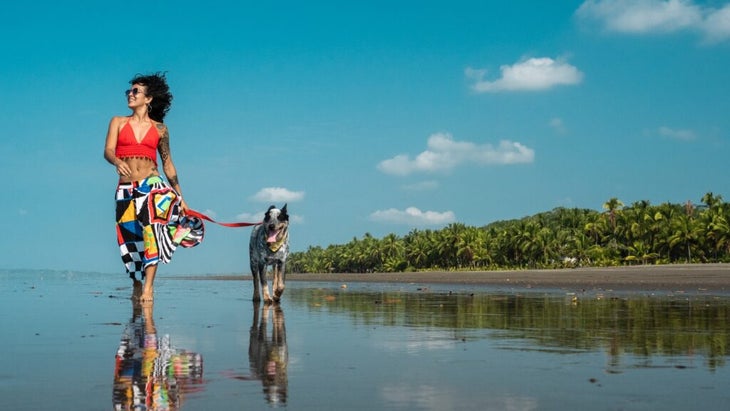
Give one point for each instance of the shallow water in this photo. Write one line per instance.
(75, 341)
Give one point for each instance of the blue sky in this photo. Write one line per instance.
(376, 117)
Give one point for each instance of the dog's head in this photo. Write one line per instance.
(276, 223)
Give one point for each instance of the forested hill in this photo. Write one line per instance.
(640, 233)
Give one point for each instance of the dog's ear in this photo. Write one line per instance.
(283, 209)
(267, 215)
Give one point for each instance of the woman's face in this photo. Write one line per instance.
(137, 96)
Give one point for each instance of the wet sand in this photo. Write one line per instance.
(674, 277)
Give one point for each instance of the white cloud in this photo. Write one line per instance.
(557, 124)
(277, 194)
(413, 216)
(444, 154)
(641, 16)
(535, 74)
(658, 16)
(717, 25)
(684, 135)
(250, 217)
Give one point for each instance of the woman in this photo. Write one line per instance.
(147, 206)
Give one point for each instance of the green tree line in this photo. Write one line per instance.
(640, 233)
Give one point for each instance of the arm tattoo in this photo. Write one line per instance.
(164, 148)
(164, 145)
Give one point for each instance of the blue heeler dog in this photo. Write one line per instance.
(269, 246)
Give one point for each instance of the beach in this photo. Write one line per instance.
(641, 278)
(381, 340)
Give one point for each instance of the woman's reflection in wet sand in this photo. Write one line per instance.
(268, 356)
(149, 374)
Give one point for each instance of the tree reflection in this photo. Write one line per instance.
(638, 325)
(149, 373)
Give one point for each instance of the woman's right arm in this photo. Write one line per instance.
(111, 146)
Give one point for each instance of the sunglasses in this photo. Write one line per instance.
(134, 91)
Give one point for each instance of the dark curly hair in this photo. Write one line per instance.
(158, 89)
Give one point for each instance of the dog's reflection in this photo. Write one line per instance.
(149, 373)
(268, 355)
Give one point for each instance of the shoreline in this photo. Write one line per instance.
(669, 277)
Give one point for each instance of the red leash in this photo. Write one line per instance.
(205, 217)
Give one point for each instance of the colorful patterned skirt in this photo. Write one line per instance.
(149, 225)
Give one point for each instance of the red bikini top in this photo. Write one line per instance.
(127, 145)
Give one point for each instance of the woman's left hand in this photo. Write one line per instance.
(183, 207)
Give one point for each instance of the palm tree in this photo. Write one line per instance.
(470, 248)
(685, 233)
(711, 200)
(640, 251)
(612, 207)
(664, 229)
(529, 243)
(714, 223)
(579, 244)
(720, 231)
(416, 250)
(392, 251)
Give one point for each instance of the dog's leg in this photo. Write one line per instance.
(255, 263)
(278, 281)
(256, 273)
(275, 285)
(265, 286)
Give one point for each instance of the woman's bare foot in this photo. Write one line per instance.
(147, 296)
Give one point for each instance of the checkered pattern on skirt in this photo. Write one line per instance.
(144, 210)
